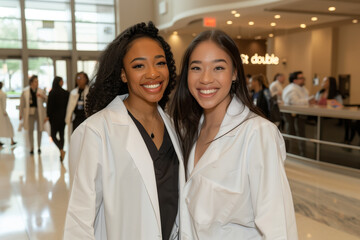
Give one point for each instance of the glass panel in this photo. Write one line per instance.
(104, 2)
(41, 10)
(44, 68)
(94, 13)
(49, 35)
(87, 66)
(94, 36)
(95, 24)
(11, 76)
(10, 24)
(48, 25)
(61, 71)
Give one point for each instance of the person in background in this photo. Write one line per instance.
(75, 112)
(236, 183)
(276, 87)
(56, 111)
(261, 94)
(296, 94)
(32, 110)
(6, 128)
(125, 157)
(329, 92)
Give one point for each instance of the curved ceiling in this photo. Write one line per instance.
(292, 14)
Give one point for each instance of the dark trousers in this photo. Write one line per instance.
(55, 129)
(295, 125)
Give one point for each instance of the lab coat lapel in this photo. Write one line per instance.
(176, 145)
(227, 130)
(137, 149)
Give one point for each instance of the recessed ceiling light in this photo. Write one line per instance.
(194, 34)
(314, 19)
(175, 33)
(238, 36)
(233, 11)
(273, 24)
(237, 15)
(251, 23)
(277, 16)
(355, 21)
(271, 35)
(229, 22)
(331, 9)
(303, 25)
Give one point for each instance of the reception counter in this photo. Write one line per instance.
(325, 129)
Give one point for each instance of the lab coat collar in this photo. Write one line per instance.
(236, 113)
(138, 149)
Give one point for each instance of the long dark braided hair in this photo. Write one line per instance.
(107, 84)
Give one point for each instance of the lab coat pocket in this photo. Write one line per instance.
(209, 202)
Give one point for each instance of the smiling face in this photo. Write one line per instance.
(145, 71)
(210, 76)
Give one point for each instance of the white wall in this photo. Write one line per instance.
(348, 62)
(132, 12)
(178, 46)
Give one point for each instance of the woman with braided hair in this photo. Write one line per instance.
(125, 162)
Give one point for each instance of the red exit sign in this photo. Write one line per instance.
(209, 22)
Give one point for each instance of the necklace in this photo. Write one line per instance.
(152, 135)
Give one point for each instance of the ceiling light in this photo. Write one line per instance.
(229, 22)
(277, 16)
(237, 15)
(175, 33)
(194, 34)
(271, 35)
(233, 11)
(257, 37)
(238, 36)
(331, 9)
(273, 24)
(303, 25)
(314, 19)
(251, 23)
(355, 21)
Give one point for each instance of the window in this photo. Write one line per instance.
(11, 76)
(10, 24)
(95, 24)
(48, 24)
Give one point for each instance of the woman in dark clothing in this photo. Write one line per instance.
(56, 111)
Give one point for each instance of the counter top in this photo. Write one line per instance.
(323, 111)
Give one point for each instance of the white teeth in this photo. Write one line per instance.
(208, 91)
(151, 85)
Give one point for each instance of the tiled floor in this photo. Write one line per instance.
(34, 192)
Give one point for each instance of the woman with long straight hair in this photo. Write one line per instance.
(56, 111)
(234, 158)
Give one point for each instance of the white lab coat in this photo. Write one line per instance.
(24, 110)
(295, 94)
(73, 99)
(275, 89)
(6, 129)
(239, 189)
(114, 193)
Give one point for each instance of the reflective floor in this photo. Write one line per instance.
(34, 192)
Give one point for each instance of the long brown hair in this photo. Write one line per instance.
(184, 109)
